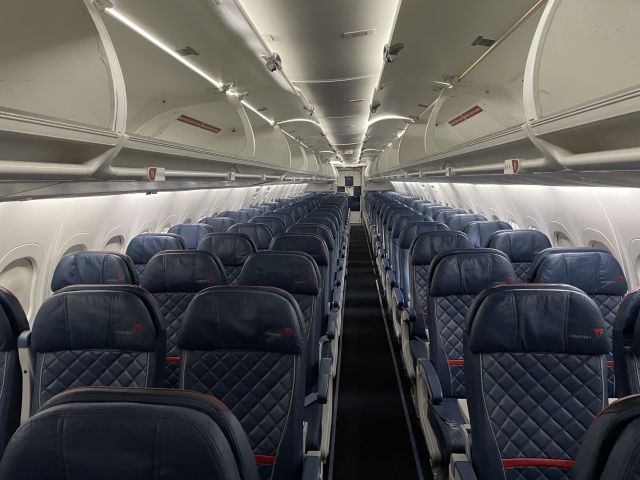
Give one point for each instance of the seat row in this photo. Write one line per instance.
(439, 279)
(262, 349)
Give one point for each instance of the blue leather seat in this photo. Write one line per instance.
(294, 212)
(232, 249)
(286, 218)
(521, 246)
(297, 273)
(258, 232)
(443, 216)
(433, 210)
(479, 232)
(274, 223)
(174, 278)
(12, 323)
(144, 246)
(609, 450)
(336, 264)
(219, 224)
(596, 272)
(98, 335)
(93, 268)
(423, 250)
(535, 372)
(253, 212)
(192, 233)
(245, 346)
(235, 215)
(626, 345)
(458, 222)
(455, 278)
(130, 434)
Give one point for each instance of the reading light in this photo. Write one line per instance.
(143, 33)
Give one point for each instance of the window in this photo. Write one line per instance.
(115, 244)
(514, 224)
(562, 240)
(597, 244)
(17, 277)
(74, 249)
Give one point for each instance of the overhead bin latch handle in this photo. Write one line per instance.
(102, 5)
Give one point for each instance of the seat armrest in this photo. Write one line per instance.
(312, 469)
(460, 468)
(434, 388)
(398, 298)
(332, 324)
(324, 381)
(391, 278)
(27, 367)
(408, 315)
(336, 298)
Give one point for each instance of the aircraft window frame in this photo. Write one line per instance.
(19, 277)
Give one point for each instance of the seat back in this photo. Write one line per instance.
(285, 217)
(232, 249)
(444, 215)
(459, 221)
(274, 223)
(609, 449)
(258, 232)
(455, 278)
(144, 246)
(192, 233)
(237, 216)
(174, 278)
(596, 272)
(423, 250)
(297, 274)
(253, 212)
(479, 232)
(245, 346)
(535, 361)
(521, 246)
(96, 432)
(97, 335)
(626, 345)
(93, 268)
(12, 323)
(219, 224)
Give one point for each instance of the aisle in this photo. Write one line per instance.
(372, 437)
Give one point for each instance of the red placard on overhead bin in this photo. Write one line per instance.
(472, 112)
(198, 123)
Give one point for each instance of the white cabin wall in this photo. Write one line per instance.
(40, 232)
(569, 216)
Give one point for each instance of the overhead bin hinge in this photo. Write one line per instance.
(231, 176)
(102, 5)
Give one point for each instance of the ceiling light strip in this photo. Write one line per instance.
(257, 112)
(387, 117)
(115, 13)
(294, 138)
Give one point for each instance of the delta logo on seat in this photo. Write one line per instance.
(598, 332)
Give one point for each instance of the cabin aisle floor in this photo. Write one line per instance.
(372, 435)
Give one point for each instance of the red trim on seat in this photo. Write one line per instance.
(265, 459)
(537, 462)
(610, 363)
(456, 363)
(172, 359)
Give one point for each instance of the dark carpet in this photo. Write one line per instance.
(372, 438)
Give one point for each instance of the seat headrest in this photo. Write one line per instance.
(13, 321)
(183, 271)
(191, 233)
(460, 220)
(93, 268)
(303, 242)
(402, 220)
(97, 317)
(428, 245)
(179, 433)
(236, 215)
(444, 215)
(259, 232)
(413, 229)
(274, 223)
(295, 272)
(626, 327)
(479, 232)
(144, 246)
(541, 318)
(314, 229)
(285, 217)
(235, 317)
(231, 248)
(592, 270)
(219, 224)
(468, 272)
(519, 245)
